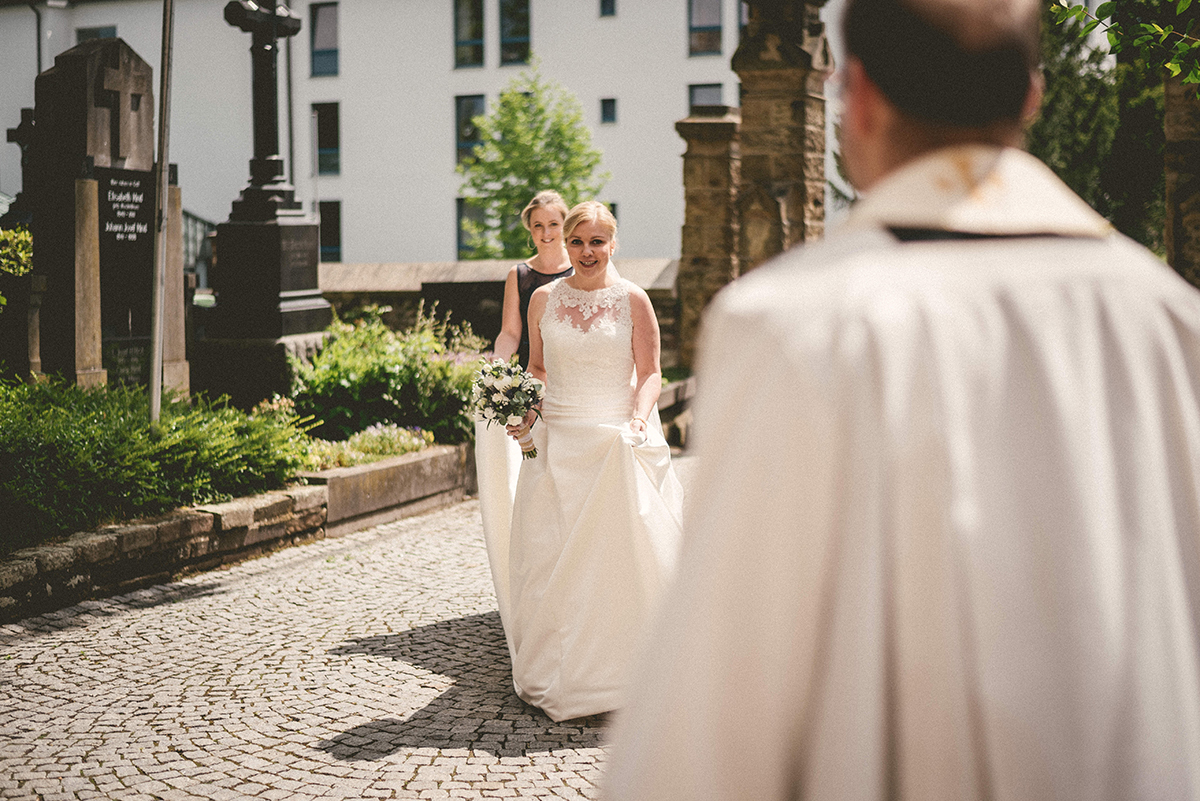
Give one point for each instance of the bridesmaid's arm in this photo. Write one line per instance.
(509, 338)
(537, 305)
(646, 358)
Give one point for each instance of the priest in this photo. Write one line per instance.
(944, 537)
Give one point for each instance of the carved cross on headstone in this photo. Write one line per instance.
(129, 87)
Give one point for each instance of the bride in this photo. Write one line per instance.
(596, 520)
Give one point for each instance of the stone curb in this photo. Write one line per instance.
(119, 558)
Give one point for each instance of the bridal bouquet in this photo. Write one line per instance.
(504, 393)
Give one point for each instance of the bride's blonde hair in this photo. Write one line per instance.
(591, 211)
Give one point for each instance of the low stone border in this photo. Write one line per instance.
(121, 558)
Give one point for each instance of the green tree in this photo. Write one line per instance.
(16, 252)
(1078, 118)
(1163, 34)
(533, 139)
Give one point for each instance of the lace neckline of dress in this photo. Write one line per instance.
(590, 301)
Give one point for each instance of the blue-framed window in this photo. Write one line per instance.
(468, 33)
(608, 8)
(467, 213)
(514, 31)
(331, 230)
(608, 109)
(705, 94)
(323, 35)
(101, 32)
(704, 27)
(466, 109)
(329, 138)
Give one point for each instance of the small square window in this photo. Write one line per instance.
(324, 39)
(469, 216)
(468, 33)
(608, 109)
(704, 27)
(704, 94)
(466, 109)
(103, 32)
(613, 208)
(329, 151)
(514, 31)
(608, 8)
(331, 230)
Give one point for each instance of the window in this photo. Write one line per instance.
(704, 94)
(468, 33)
(704, 27)
(331, 230)
(329, 139)
(324, 28)
(613, 208)
(514, 31)
(467, 213)
(608, 8)
(743, 18)
(608, 109)
(466, 109)
(103, 32)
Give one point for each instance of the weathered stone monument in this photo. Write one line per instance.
(268, 302)
(754, 179)
(708, 258)
(89, 174)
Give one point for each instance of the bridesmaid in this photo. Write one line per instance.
(498, 456)
(543, 219)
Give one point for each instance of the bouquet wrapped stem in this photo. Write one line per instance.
(504, 393)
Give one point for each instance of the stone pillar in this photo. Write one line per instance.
(782, 62)
(1181, 125)
(708, 257)
(176, 372)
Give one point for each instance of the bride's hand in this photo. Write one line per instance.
(638, 425)
(526, 424)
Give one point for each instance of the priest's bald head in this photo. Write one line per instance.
(925, 74)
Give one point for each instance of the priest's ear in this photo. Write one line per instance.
(1033, 98)
(867, 121)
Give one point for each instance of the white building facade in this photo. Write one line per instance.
(379, 88)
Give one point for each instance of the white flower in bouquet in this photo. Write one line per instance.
(503, 392)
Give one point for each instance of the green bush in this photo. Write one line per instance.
(72, 459)
(369, 445)
(368, 374)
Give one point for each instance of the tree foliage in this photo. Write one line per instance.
(16, 252)
(1162, 34)
(533, 139)
(1074, 131)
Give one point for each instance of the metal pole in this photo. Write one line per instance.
(162, 205)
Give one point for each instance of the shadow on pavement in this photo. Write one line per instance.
(480, 712)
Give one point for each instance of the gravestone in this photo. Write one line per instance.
(91, 163)
(264, 278)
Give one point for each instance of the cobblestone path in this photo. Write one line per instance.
(370, 666)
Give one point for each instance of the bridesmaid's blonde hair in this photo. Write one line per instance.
(548, 199)
(591, 211)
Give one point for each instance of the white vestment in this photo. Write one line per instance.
(943, 540)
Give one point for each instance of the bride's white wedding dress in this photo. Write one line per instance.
(596, 520)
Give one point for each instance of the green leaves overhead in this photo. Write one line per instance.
(1164, 37)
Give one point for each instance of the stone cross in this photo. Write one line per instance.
(126, 88)
(266, 26)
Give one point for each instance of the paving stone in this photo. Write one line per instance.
(368, 666)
